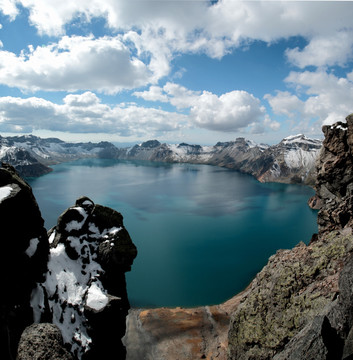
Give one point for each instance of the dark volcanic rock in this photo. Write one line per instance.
(42, 341)
(85, 290)
(23, 256)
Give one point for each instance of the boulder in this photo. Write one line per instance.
(42, 341)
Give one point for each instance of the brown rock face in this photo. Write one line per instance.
(334, 185)
(196, 333)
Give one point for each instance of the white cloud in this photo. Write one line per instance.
(285, 103)
(162, 28)
(321, 96)
(9, 8)
(75, 63)
(232, 111)
(324, 51)
(154, 93)
(85, 114)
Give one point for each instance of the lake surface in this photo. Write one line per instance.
(202, 232)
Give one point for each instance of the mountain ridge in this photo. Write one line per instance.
(290, 161)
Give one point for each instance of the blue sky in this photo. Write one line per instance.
(174, 70)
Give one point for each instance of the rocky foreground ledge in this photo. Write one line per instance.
(300, 306)
(69, 282)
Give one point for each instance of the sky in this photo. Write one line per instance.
(195, 71)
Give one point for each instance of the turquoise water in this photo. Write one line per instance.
(202, 232)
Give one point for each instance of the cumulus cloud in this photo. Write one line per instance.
(232, 111)
(158, 31)
(324, 51)
(229, 112)
(9, 8)
(285, 103)
(84, 114)
(74, 63)
(321, 96)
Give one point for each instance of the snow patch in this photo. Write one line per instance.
(96, 298)
(32, 248)
(297, 158)
(51, 237)
(106, 233)
(339, 127)
(5, 191)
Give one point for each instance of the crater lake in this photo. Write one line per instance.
(202, 232)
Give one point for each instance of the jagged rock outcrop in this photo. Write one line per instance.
(84, 292)
(334, 186)
(23, 257)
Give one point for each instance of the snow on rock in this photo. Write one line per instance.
(296, 158)
(300, 139)
(32, 248)
(96, 298)
(5, 191)
(76, 282)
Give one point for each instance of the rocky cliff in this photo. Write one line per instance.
(73, 280)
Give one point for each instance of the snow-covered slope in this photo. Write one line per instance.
(294, 159)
